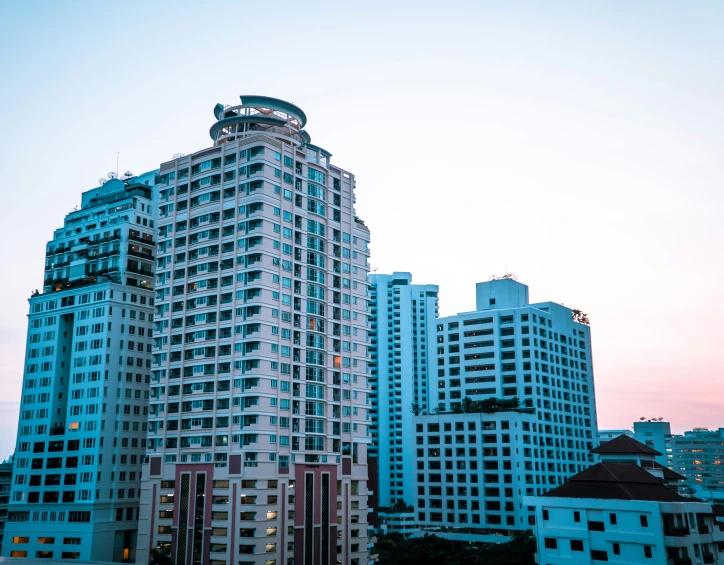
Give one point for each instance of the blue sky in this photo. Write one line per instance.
(576, 144)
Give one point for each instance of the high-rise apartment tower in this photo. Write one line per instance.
(82, 431)
(402, 315)
(260, 410)
(525, 372)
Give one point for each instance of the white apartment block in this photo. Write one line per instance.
(625, 510)
(473, 470)
(698, 455)
(507, 349)
(260, 410)
(657, 435)
(82, 430)
(402, 316)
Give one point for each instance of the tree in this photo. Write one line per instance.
(434, 550)
(469, 405)
(580, 317)
(415, 408)
(160, 556)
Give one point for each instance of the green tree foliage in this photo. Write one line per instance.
(433, 550)
(160, 556)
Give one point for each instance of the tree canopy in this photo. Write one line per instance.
(433, 550)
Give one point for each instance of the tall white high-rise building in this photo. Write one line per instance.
(402, 315)
(260, 410)
(514, 411)
(82, 429)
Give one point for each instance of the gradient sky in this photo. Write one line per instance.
(578, 145)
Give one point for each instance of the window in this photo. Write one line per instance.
(576, 517)
(598, 555)
(594, 526)
(644, 521)
(576, 545)
(616, 548)
(545, 514)
(612, 518)
(551, 543)
(647, 552)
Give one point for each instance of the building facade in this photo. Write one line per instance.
(505, 358)
(698, 455)
(607, 435)
(6, 481)
(82, 430)
(260, 410)
(657, 435)
(625, 510)
(403, 315)
(473, 470)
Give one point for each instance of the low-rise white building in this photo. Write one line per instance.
(625, 510)
(472, 472)
(398, 521)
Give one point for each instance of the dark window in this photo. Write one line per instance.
(595, 526)
(644, 521)
(576, 545)
(551, 543)
(576, 516)
(599, 555)
(612, 518)
(616, 549)
(647, 552)
(545, 514)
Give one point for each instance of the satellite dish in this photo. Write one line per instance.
(127, 175)
(112, 174)
(102, 181)
(178, 155)
(512, 276)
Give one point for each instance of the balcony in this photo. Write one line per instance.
(148, 241)
(138, 271)
(676, 531)
(142, 255)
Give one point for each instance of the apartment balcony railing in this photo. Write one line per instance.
(138, 271)
(147, 256)
(148, 241)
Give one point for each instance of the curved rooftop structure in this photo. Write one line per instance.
(258, 114)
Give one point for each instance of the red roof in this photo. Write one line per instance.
(624, 444)
(618, 482)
